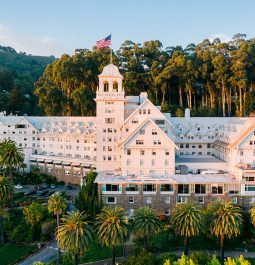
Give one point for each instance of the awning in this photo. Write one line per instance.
(32, 159)
(76, 164)
(57, 162)
(86, 165)
(48, 161)
(66, 163)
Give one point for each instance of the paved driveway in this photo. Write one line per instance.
(46, 254)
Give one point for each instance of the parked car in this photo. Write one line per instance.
(56, 193)
(53, 186)
(41, 192)
(45, 185)
(18, 186)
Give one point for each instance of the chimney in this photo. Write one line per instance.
(187, 114)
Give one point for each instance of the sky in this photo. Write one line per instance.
(54, 27)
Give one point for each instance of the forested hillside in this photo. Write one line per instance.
(211, 78)
(18, 73)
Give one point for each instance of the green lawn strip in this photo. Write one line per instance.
(97, 252)
(12, 253)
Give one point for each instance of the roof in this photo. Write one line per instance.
(111, 70)
(197, 159)
(111, 177)
(142, 124)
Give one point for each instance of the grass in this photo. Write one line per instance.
(12, 253)
(97, 252)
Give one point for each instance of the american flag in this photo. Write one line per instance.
(104, 42)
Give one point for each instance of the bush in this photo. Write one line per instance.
(237, 261)
(200, 258)
(66, 259)
(142, 258)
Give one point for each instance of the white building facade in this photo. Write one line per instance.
(142, 156)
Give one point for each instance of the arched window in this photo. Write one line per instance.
(115, 86)
(106, 86)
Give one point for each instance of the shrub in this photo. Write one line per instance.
(142, 258)
(184, 260)
(200, 258)
(213, 261)
(237, 261)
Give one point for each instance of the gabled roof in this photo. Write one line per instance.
(140, 107)
(144, 123)
(242, 137)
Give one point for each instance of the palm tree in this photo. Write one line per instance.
(6, 191)
(74, 234)
(224, 221)
(11, 156)
(146, 224)
(113, 228)
(252, 213)
(57, 205)
(187, 220)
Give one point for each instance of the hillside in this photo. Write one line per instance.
(18, 73)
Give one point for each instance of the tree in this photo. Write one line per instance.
(113, 228)
(146, 224)
(74, 234)
(187, 220)
(11, 156)
(34, 213)
(224, 221)
(214, 261)
(87, 199)
(6, 192)
(57, 205)
(252, 213)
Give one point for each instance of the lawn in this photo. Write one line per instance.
(97, 252)
(11, 253)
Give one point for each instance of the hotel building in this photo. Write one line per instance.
(142, 156)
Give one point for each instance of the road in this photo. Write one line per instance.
(46, 254)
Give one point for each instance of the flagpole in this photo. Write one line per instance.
(111, 50)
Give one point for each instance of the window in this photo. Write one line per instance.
(166, 188)
(112, 187)
(234, 200)
(140, 111)
(134, 121)
(142, 152)
(153, 153)
(132, 187)
(166, 200)
(251, 142)
(200, 189)
(128, 162)
(249, 178)
(167, 153)
(153, 162)
(160, 122)
(181, 145)
(141, 162)
(144, 111)
(154, 132)
(149, 187)
(20, 126)
(142, 132)
(200, 146)
(183, 188)
(241, 153)
(249, 187)
(109, 120)
(216, 189)
(106, 86)
(181, 199)
(208, 145)
(148, 200)
(166, 162)
(149, 111)
(139, 142)
(131, 200)
(128, 152)
(187, 145)
(200, 199)
(111, 200)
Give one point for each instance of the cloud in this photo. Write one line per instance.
(36, 45)
(223, 37)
